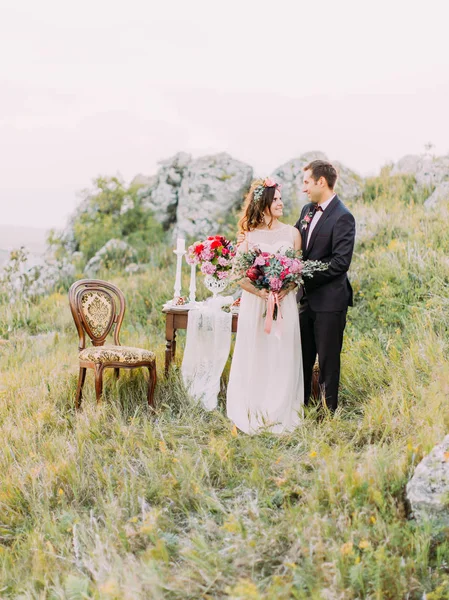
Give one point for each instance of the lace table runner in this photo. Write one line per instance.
(207, 349)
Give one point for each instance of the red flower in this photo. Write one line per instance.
(199, 248)
(225, 251)
(215, 244)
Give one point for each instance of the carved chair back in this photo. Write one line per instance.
(96, 307)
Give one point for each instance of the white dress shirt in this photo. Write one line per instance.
(317, 217)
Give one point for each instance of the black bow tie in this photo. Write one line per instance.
(318, 208)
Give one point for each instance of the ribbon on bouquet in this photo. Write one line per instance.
(273, 301)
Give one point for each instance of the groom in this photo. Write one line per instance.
(327, 230)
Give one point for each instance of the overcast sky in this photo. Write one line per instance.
(104, 87)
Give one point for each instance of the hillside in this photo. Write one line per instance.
(117, 502)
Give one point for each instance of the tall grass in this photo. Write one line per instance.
(117, 502)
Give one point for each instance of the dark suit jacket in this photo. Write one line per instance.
(332, 241)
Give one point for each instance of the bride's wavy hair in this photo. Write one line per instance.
(253, 209)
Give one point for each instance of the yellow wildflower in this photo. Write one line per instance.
(364, 544)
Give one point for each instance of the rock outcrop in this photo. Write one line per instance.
(428, 489)
(114, 254)
(349, 184)
(211, 187)
(161, 191)
(440, 194)
(195, 194)
(429, 171)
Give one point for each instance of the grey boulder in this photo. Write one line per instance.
(114, 254)
(211, 187)
(428, 489)
(349, 185)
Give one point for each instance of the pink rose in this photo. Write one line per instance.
(259, 262)
(223, 262)
(221, 274)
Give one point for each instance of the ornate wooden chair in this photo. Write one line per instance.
(96, 307)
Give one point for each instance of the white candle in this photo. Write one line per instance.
(180, 245)
(178, 274)
(192, 288)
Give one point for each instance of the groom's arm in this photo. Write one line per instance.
(343, 237)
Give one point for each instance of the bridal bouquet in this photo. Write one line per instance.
(215, 255)
(274, 272)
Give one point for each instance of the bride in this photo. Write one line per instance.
(265, 389)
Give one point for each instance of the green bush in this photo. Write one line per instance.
(110, 210)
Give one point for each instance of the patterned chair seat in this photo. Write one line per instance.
(124, 354)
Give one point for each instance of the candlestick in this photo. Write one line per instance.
(192, 288)
(180, 245)
(179, 255)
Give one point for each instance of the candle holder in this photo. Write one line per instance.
(192, 288)
(177, 289)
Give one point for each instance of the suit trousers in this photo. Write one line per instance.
(322, 334)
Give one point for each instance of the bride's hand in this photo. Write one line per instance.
(286, 291)
(240, 238)
(263, 294)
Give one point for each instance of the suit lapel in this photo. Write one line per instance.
(326, 214)
(305, 211)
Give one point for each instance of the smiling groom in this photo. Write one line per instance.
(327, 230)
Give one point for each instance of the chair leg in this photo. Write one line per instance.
(98, 381)
(79, 389)
(117, 373)
(151, 384)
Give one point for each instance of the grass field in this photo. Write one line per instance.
(115, 502)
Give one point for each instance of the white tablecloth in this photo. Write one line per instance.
(207, 349)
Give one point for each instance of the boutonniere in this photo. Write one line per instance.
(305, 222)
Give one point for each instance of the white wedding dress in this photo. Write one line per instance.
(266, 388)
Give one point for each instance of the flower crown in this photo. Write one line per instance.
(258, 191)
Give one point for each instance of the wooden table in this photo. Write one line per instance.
(174, 320)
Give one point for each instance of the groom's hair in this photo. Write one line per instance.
(322, 168)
